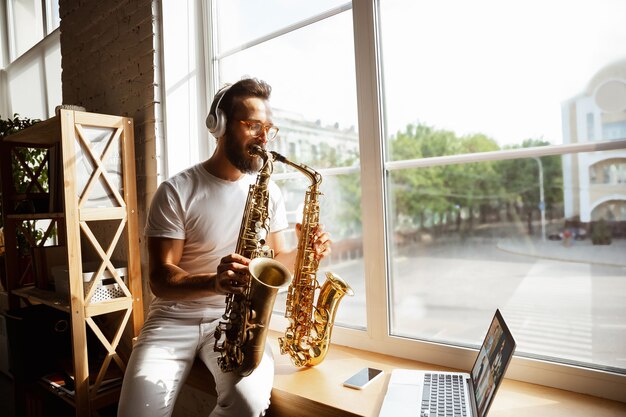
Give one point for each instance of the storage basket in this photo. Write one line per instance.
(107, 288)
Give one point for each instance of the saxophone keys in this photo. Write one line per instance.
(300, 359)
(320, 316)
(249, 335)
(315, 351)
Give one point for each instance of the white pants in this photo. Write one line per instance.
(162, 358)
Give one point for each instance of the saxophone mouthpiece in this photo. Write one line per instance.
(258, 151)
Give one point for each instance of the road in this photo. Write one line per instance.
(569, 309)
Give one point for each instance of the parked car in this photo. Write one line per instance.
(577, 233)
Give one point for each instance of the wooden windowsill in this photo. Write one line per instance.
(318, 391)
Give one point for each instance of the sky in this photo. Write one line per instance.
(448, 63)
(507, 77)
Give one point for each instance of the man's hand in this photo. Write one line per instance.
(319, 239)
(232, 274)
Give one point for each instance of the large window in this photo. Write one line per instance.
(468, 151)
(306, 53)
(466, 238)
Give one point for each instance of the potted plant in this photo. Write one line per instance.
(32, 157)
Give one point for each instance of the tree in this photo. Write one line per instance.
(436, 194)
(522, 177)
(463, 194)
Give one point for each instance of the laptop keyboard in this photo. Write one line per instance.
(443, 395)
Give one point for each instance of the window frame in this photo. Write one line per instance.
(45, 22)
(373, 171)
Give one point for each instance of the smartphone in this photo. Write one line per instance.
(362, 378)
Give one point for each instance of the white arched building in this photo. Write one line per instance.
(595, 182)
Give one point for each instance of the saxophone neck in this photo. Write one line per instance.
(314, 176)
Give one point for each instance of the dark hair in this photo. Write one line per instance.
(233, 94)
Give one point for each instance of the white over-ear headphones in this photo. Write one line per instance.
(216, 121)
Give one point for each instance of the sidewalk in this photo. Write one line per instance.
(582, 251)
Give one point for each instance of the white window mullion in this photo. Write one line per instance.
(10, 31)
(371, 152)
(211, 49)
(44, 17)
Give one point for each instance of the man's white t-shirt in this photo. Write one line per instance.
(206, 212)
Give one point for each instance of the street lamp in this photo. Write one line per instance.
(542, 203)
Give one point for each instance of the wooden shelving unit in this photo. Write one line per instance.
(88, 207)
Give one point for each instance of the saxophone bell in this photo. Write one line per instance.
(270, 272)
(267, 276)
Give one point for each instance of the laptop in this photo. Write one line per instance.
(458, 394)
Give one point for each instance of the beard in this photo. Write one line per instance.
(241, 159)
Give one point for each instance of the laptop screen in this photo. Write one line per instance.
(491, 363)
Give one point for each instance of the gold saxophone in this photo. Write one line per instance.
(240, 338)
(307, 338)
